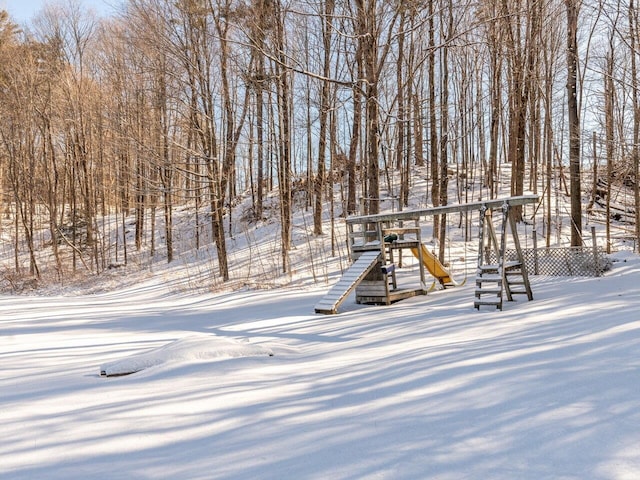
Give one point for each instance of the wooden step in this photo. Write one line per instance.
(478, 303)
(511, 266)
(488, 268)
(487, 291)
(487, 302)
(507, 267)
(488, 279)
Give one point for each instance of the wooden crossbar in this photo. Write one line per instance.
(462, 207)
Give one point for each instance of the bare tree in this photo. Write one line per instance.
(369, 31)
(634, 42)
(447, 25)
(284, 75)
(433, 121)
(324, 107)
(574, 121)
(609, 106)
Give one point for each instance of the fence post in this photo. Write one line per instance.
(535, 253)
(594, 245)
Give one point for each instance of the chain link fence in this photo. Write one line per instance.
(560, 261)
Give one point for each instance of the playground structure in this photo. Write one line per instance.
(376, 241)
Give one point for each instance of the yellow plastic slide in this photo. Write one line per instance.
(436, 269)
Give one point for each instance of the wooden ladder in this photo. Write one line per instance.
(509, 277)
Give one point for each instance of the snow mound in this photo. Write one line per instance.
(196, 347)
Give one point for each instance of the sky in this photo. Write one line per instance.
(23, 11)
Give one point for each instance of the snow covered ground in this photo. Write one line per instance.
(427, 388)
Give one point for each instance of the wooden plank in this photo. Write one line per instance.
(512, 265)
(488, 268)
(487, 291)
(400, 230)
(463, 207)
(329, 300)
(402, 294)
(327, 304)
(327, 311)
(488, 278)
(488, 302)
(372, 300)
(371, 290)
(393, 296)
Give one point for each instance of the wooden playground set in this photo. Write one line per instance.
(376, 243)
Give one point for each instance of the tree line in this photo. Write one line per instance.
(198, 102)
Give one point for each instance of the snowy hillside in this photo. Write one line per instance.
(244, 381)
(428, 388)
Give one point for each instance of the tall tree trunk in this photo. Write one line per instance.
(284, 141)
(324, 113)
(609, 107)
(418, 126)
(369, 37)
(635, 96)
(400, 121)
(574, 122)
(444, 128)
(354, 143)
(259, 27)
(433, 120)
(164, 164)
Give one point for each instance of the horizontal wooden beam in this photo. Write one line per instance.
(426, 212)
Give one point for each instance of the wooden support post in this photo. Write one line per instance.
(524, 274)
(503, 249)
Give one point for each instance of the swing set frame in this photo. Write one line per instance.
(376, 232)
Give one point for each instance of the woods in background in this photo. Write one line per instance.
(199, 102)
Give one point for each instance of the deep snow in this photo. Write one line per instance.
(427, 388)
